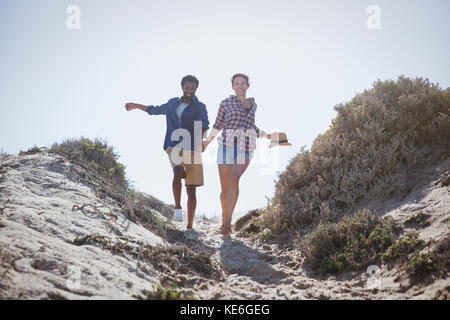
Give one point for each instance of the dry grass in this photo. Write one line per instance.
(380, 134)
(6, 264)
(244, 224)
(170, 261)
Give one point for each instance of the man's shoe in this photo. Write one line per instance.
(178, 216)
(191, 234)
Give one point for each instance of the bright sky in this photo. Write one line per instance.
(303, 58)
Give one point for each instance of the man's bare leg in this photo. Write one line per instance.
(191, 204)
(178, 173)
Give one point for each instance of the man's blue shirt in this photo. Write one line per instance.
(195, 111)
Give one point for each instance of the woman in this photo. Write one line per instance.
(236, 116)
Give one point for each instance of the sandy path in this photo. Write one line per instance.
(253, 270)
(259, 271)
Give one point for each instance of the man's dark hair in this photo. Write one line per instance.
(189, 78)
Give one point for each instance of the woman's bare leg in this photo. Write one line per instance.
(233, 191)
(224, 174)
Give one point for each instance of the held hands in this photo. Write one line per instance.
(205, 143)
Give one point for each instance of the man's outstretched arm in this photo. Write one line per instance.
(152, 110)
(131, 106)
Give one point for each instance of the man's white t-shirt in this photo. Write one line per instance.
(181, 108)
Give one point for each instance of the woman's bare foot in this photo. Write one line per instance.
(226, 229)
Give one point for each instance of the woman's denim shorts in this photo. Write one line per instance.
(229, 155)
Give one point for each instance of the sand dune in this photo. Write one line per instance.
(59, 240)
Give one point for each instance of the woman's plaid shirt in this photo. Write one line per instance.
(238, 124)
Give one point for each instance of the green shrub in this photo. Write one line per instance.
(352, 244)
(407, 253)
(421, 265)
(403, 247)
(420, 219)
(33, 150)
(98, 158)
(160, 293)
(436, 260)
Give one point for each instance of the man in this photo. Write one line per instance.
(185, 117)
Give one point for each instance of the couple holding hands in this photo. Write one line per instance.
(187, 123)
